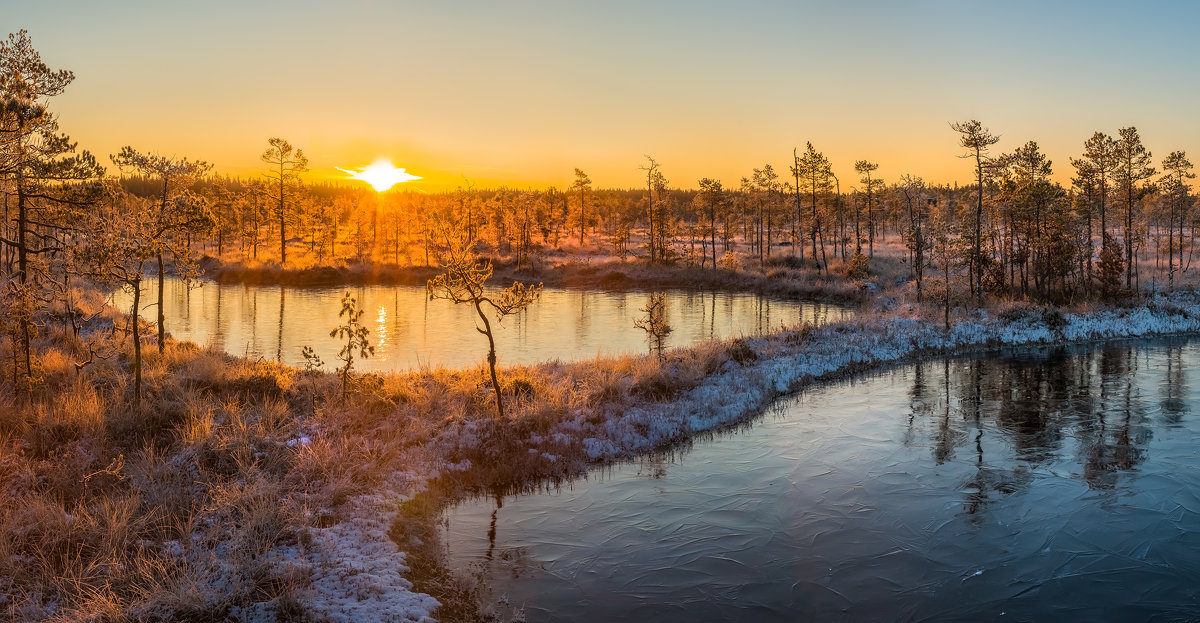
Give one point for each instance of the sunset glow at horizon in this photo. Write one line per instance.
(381, 175)
(520, 97)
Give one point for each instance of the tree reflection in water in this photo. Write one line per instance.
(1041, 407)
(1022, 484)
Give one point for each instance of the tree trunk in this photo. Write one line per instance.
(282, 226)
(650, 214)
(712, 221)
(491, 358)
(22, 225)
(162, 316)
(979, 229)
(137, 339)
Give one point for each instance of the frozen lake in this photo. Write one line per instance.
(409, 331)
(1030, 486)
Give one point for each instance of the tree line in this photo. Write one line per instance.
(1012, 232)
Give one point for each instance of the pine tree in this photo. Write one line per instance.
(1179, 202)
(1109, 269)
(53, 184)
(287, 163)
(864, 168)
(812, 173)
(180, 213)
(1132, 168)
(583, 184)
(976, 140)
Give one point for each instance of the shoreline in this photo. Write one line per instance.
(604, 274)
(356, 483)
(787, 363)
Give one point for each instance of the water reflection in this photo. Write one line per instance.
(1023, 485)
(1089, 400)
(409, 331)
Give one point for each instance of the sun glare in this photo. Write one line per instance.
(381, 175)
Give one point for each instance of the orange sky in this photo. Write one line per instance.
(521, 93)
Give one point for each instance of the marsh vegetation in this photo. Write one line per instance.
(149, 478)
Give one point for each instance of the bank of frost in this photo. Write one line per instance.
(786, 364)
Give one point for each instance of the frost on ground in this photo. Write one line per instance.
(357, 572)
(788, 361)
(353, 571)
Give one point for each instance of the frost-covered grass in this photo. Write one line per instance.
(211, 501)
(248, 490)
(791, 360)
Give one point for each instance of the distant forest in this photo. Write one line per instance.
(1013, 233)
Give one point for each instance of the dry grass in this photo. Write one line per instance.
(104, 501)
(169, 511)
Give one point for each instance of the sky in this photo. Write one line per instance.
(521, 93)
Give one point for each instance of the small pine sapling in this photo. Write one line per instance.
(654, 323)
(312, 366)
(355, 334)
(312, 361)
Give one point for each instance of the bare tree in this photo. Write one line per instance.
(463, 282)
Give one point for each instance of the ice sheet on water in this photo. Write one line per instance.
(854, 497)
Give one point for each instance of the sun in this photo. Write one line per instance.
(381, 175)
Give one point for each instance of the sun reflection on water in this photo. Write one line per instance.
(381, 333)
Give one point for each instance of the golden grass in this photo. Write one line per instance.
(113, 510)
(95, 488)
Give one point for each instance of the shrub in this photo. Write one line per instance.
(654, 388)
(1054, 319)
(739, 350)
(1110, 270)
(522, 388)
(859, 267)
(788, 261)
(799, 335)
